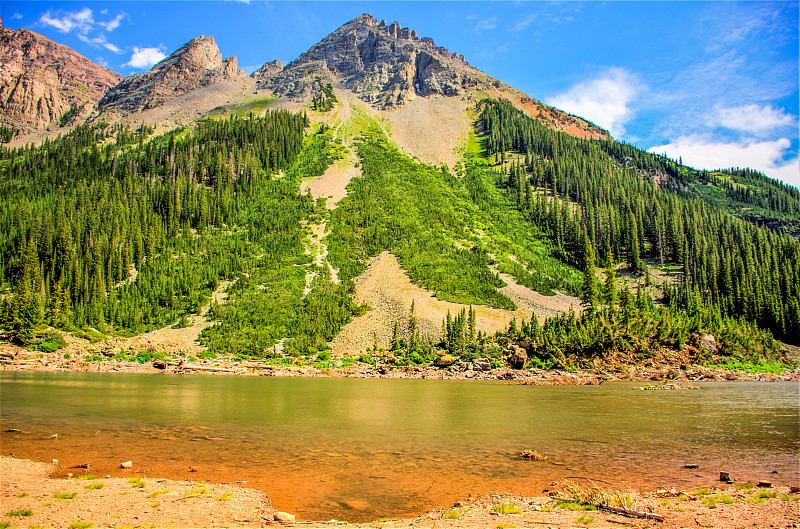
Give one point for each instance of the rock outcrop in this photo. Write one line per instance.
(41, 80)
(196, 64)
(383, 65)
(268, 70)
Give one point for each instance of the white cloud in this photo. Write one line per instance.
(703, 152)
(606, 101)
(101, 41)
(113, 24)
(85, 26)
(753, 119)
(16, 16)
(81, 21)
(486, 24)
(144, 57)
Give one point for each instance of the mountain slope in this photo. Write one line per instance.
(41, 80)
(196, 64)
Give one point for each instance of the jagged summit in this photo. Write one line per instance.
(196, 64)
(385, 65)
(41, 80)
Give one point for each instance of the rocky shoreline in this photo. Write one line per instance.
(16, 359)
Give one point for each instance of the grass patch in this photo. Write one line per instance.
(65, 495)
(20, 512)
(702, 491)
(93, 486)
(22, 495)
(454, 514)
(744, 486)
(712, 500)
(136, 482)
(156, 493)
(155, 504)
(86, 477)
(766, 494)
(5, 524)
(196, 491)
(575, 506)
(502, 525)
(225, 496)
(585, 519)
(80, 524)
(506, 508)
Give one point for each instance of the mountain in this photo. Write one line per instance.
(196, 64)
(388, 65)
(380, 169)
(41, 81)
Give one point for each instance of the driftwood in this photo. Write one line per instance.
(631, 512)
(616, 510)
(196, 367)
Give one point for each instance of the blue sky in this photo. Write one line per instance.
(715, 83)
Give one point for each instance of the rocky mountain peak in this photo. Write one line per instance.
(196, 64)
(200, 53)
(41, 80)
(385, 65)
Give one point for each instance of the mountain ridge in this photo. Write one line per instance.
(41, 80)
(196, 64)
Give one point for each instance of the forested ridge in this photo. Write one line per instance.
(83, 213)
(116, 229)
(636, 205)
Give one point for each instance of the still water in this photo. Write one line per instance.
(359, 449)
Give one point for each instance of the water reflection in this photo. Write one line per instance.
(359, 449)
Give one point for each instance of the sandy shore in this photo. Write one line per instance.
(32, 499)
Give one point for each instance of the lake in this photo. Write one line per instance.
(360, 449)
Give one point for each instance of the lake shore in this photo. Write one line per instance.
(654, 373)
(31, 497)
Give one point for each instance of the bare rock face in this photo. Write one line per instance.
(389, 65)
(268, 70)
(196, 64)
(41, 80)
(383, 65)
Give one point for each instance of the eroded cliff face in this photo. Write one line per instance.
(385, 66)
(196, 64)
(41, 80)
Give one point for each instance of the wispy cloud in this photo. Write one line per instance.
(753, 119)
(113, 24)
(84, 25)
(81, 21)
(523, 23)
(16, 16)
(486, 24)
(707, 152)
(142, 58)
(606, 100)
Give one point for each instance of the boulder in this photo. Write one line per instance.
(283, 517)
(481, 364)
(445, 360)
(159, 364)
(708, 343)
(518, 357)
